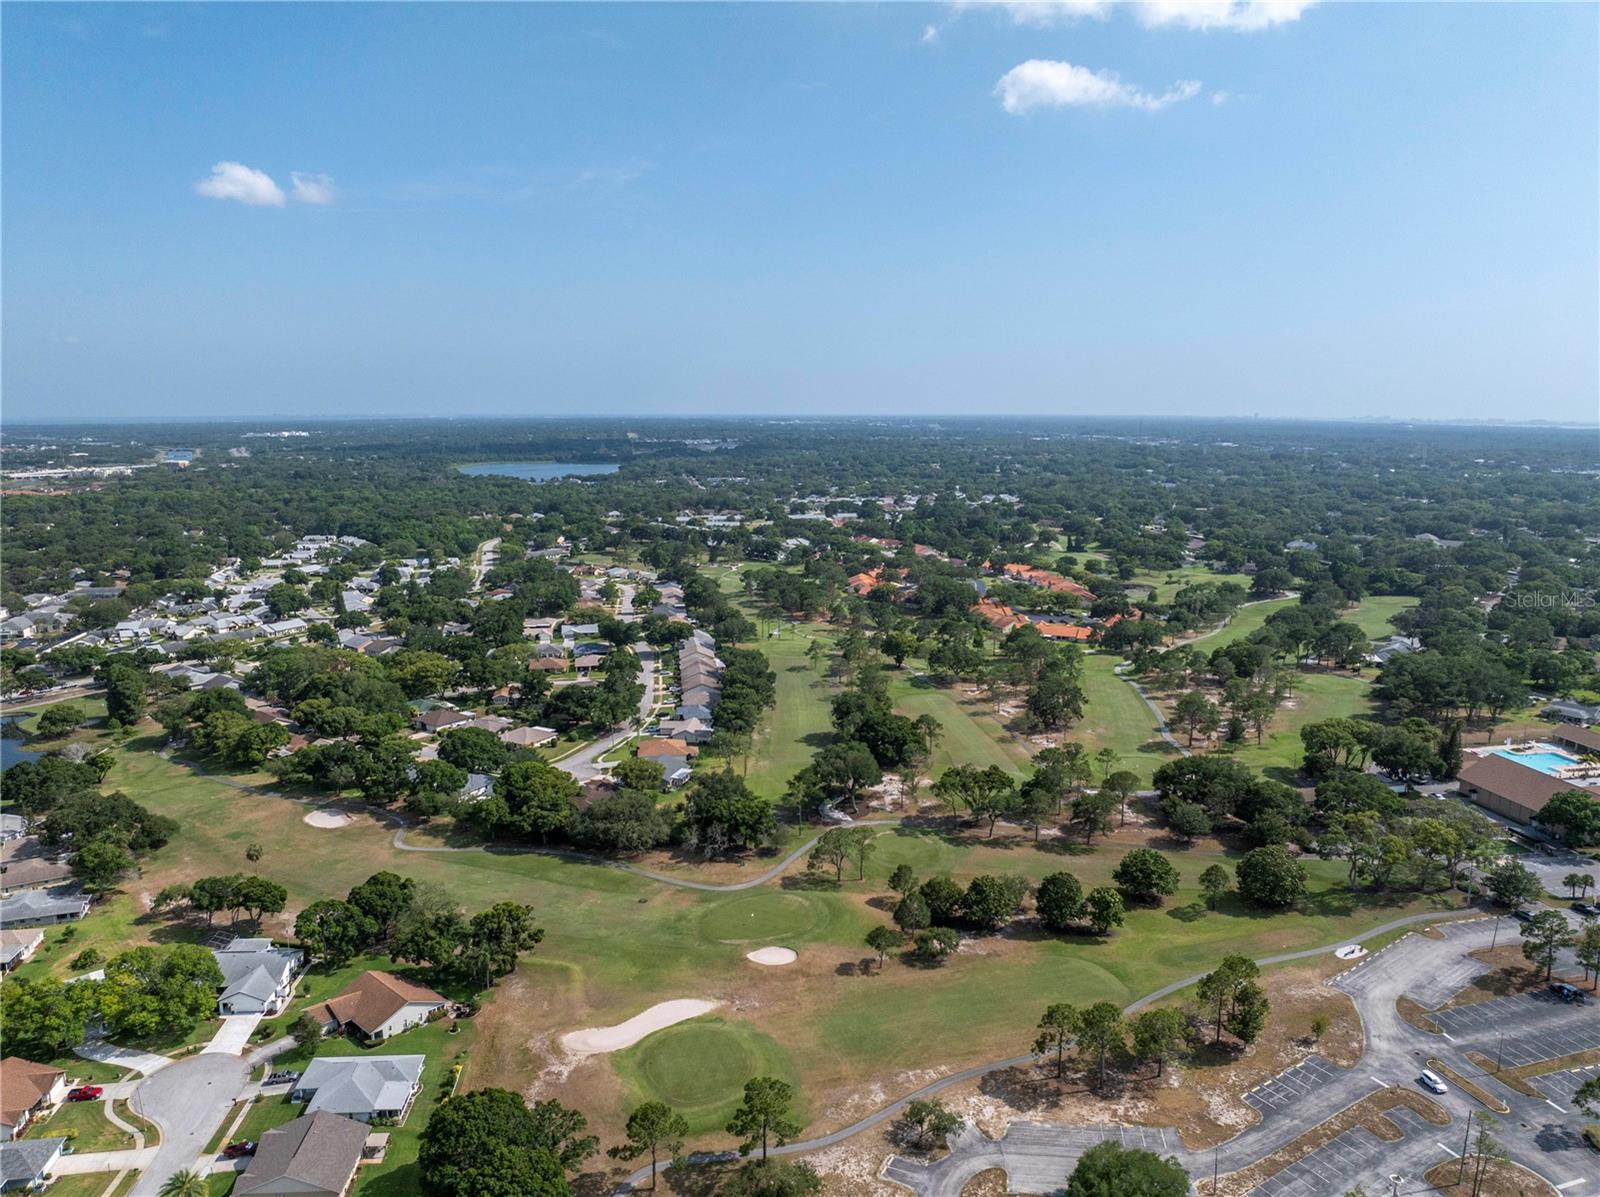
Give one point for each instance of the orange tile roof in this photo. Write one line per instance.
(1063, 631)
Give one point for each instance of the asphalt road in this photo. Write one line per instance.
(188, 1100)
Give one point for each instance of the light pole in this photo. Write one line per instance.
(1466, 1139)
(1495, 938)
(1499, 1045)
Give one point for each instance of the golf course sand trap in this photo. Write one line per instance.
(594, 1040)
(328, 818)
(773, 956)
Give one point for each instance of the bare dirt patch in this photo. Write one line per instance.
(1501, 1178)
(1413, 1013)
(1509, 973)
(1368, 1113)
(1203, 1097)
(991, 1182)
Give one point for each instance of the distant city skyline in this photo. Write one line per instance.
(1231, 208)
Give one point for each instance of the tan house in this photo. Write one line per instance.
(377, 1006)
(17, 946)
(27, 1090)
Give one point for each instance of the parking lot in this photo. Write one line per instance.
(1360, 1157)
(1559, 1087)
(1293, 1087)
(1524, 1028)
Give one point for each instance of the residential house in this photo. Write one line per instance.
(43, 907)
(17, 946)
(702, 696)
(27, 1164)
(528, 737)
(27, 1090)
(549, 664)
(257, 978)
(314, 1156)
(693, 712)
(442, 719)
(476, 787)
(33, 870)
(360, 1087)
(671, 755)
(377, 1006)
(1063, 631)
(1000, 617)
(1564, 710)
(493, 723)
(690, 731)
(1395, 646)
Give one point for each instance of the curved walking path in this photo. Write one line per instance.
(884, 1113)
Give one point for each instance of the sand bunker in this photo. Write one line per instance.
(772, 956)
(328, 817)
(594, 1040)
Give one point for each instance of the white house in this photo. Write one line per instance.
(360, 1087)
(377, 1006)
(257, 978)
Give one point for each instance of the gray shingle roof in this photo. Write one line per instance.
(314, 1154)
(360, 1084)
(22, 1160)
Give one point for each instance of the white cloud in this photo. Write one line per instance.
(1042, 83)
(930, 34)
(236, 181)
(1242, 16)
(312, 189)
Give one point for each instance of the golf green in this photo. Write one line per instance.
(763, 916)
(699, 1068)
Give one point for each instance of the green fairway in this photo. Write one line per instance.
(972, 734)
(1115, 717)
(766, 916)
(1373, 613)
(799, 720)
(700, 1068)
(1317, 696)
(1161, 585)
(1245, 620)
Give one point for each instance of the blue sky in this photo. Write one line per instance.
(1350, 209)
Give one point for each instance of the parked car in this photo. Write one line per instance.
(1433, 1081)
(234, 1151)
(85, 1093)
(1523, 916)
(1570, 994)
(281, 1078)
(1586, 909)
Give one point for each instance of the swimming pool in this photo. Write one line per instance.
(1546, 762)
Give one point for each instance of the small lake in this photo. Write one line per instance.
(539, 471)
(11, 746)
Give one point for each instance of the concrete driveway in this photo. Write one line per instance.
(122, 1057)
(188, 1100)
(233, 1036)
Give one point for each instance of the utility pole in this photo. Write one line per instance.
(1466, 1139)
(1495, 938)
(1499, 1046)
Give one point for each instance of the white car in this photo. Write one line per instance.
(1433, 1081)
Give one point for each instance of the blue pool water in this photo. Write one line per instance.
(540, 471)
(1546, 762)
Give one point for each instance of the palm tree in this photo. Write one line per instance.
(185, 1183)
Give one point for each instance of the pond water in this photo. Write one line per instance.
(11, 746)
(540, 471)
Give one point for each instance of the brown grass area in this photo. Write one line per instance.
(1501, 1178)
(1516, 1079)
(1509, 973)
(1203, 1097)
(991, 1182)
(1477, 1092)
(1413, 1013)
(1368, 1113)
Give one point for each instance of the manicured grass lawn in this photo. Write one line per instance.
(265, 1113)
(1245, 620)
(88, 1122)
(1373, 613)
(700, 1067)
(972, 733)
(798, 722)
(88, 1184)
(616, 943)
(220, 1184)
(1163, 584)
(1115, 717)
(1317, 696)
